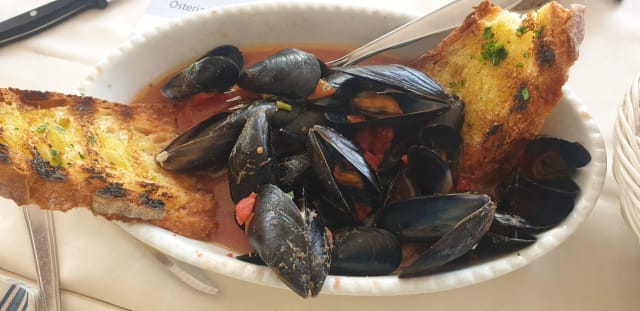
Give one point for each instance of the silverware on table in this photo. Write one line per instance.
(43, 17)
(43, 241)
(186, 273)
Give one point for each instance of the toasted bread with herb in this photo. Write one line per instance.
(509, 70)
(64, 151)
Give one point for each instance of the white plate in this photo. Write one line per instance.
(143, 59)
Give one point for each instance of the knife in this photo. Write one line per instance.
(43, 17)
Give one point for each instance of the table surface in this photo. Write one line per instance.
(103, 268)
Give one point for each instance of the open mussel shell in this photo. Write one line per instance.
(345, 85)
(549, 157)
(398, 110)
(208, 144)
(454, 243)
(399, 77)
(344, 175)
(205, 145)
(428, 171)
(427, 218)
(287, 242)
(542, 204)
(491, 246)
(210, 74)
(364, 251)
(290, 73)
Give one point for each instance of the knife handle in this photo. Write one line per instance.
(43, 17)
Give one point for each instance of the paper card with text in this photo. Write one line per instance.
(161, 11)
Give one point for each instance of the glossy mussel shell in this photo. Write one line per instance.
(427, 218)
(295, 248)
(217, 71)
(329, 150)
(290, 73)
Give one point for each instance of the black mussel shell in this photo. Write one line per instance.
(405, 111)
(428, 171)
(364, 251)
(205, 145)
(210, 74)
(250, 160)
(453, 118)
(400, 187)
(229, 52)
(549, 157)
(346, 87)
(491, 246)
(319, 251)
(401, 78)
(331, 152)
(446, 142)
(290, 171)
(427, 218)
(287, 242)
(453, 244)
(290, 73)
(541, 203)
(208, 144)
(333, 214)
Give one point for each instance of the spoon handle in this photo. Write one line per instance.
(441, 20)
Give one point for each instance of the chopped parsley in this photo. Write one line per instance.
(522, 30)
(538, 32)
(492, 50)
(81, 155)
(524, 93)
(92, 140)
(54, 153)
(59, 128)
(488, 34)
(42, 128)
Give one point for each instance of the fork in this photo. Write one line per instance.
(43, 242)
(434, 24)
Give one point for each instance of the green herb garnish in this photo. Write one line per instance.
(59, 128)
(42, 128)
(522, 30)
(92, 140)
(492, 51)
(524, 92)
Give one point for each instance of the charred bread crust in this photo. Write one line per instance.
(65, 151)
(509, 93)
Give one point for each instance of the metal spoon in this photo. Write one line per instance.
(437, 23)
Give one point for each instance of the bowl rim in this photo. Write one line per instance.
(203, 254)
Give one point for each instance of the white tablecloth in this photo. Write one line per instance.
(103, 268)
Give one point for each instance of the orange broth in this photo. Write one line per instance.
(228, 233)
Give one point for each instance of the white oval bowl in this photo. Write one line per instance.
(144, 58)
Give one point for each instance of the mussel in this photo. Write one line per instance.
(217, 71)
(289, 73)
(293, 246)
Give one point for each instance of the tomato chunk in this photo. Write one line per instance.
(244, 209)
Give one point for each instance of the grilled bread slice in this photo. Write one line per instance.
(509, 70)
(64, 151)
